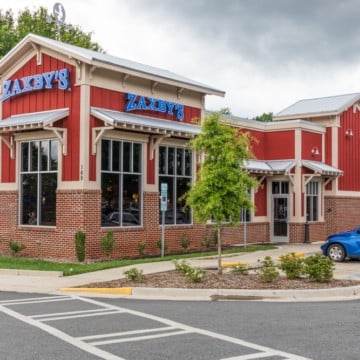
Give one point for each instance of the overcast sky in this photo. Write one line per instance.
(266, 54)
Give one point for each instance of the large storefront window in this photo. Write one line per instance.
(175, 169)
(38, 182)
(312, 201)
(121, 183)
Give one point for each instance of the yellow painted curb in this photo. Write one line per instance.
(124, 291)
(297, 255)
(231, 264)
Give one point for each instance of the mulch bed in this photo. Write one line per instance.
(228, 280)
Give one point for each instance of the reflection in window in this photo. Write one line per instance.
(38, 182)
(121, 183)
(175, 169)
(312, 201)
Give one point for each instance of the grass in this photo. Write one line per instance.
(78, 268)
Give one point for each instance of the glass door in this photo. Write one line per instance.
(280, 214)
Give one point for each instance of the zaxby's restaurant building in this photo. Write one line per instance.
(87, 139)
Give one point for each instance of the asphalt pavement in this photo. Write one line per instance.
(54, 283)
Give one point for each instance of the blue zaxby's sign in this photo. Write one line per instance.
(45, 80)
(135, 102)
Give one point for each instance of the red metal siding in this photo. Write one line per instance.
(309, 141)
(260, 200)
(42, 100)
(349, 151)
(257, 144)
(115, 100)
(279, 145)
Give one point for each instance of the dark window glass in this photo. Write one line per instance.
(126, 157)
(105, 155)
(121, 188)
(34, 155)
(179, 182)
(116, 151)
(38, 185)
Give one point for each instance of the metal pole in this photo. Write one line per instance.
(163, 235)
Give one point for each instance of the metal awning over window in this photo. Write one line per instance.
(321, 168)
(121, 120)
(269, 167)
(156, 128)
(33, 121)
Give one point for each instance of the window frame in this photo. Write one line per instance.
(175, 173)
(39, 173)
(120, 173)
(312, 192)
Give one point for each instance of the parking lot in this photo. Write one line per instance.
(107, 331)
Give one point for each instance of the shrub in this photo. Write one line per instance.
(134, 275)
(268, 271)
(182, 266)
(107, 243)
(194, 274)
(15, 247)
(80, 238)
(240, 269)
(185, 242)
(318, 268)
(158, 244)
(292, 266)
(142, 248)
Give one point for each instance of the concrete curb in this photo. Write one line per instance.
(18, 272)
(343, 293)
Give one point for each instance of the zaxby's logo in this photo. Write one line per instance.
(135, 102)
(36, 82)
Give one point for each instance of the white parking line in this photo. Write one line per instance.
(89, 343)
(61, 335)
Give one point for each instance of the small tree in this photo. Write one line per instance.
(221, 191)
(108, 243)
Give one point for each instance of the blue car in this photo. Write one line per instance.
(343, 245)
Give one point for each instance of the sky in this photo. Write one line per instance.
(265, 54)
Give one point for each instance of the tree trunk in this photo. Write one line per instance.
(219, 249)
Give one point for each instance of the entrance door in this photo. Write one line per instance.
(280, 214)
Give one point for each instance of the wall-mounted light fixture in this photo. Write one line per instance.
(315, 151)
(349, 132)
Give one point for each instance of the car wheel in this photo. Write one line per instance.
(336, 252)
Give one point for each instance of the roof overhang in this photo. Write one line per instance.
(321, 168)
(269, 167)
(145, 124)
(32, 121)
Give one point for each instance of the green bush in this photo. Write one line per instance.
(142, 248)
(80, 238)
(158, 244)
(15, 247)
(240, 269)
(268, 272)
(185, 242)
(182, 266)
(292, 266)
(108, 243)
(194, 274)
(318, 268)
(134, 275)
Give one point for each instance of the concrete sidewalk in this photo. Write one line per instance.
(51, 283)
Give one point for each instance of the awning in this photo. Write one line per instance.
(147, 124)
(32, 121)
(269, 167)
(321, 168)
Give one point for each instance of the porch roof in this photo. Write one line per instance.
(269, 167)
(321, 168)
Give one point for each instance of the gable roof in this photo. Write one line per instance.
(331, 105)
(104, 60)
